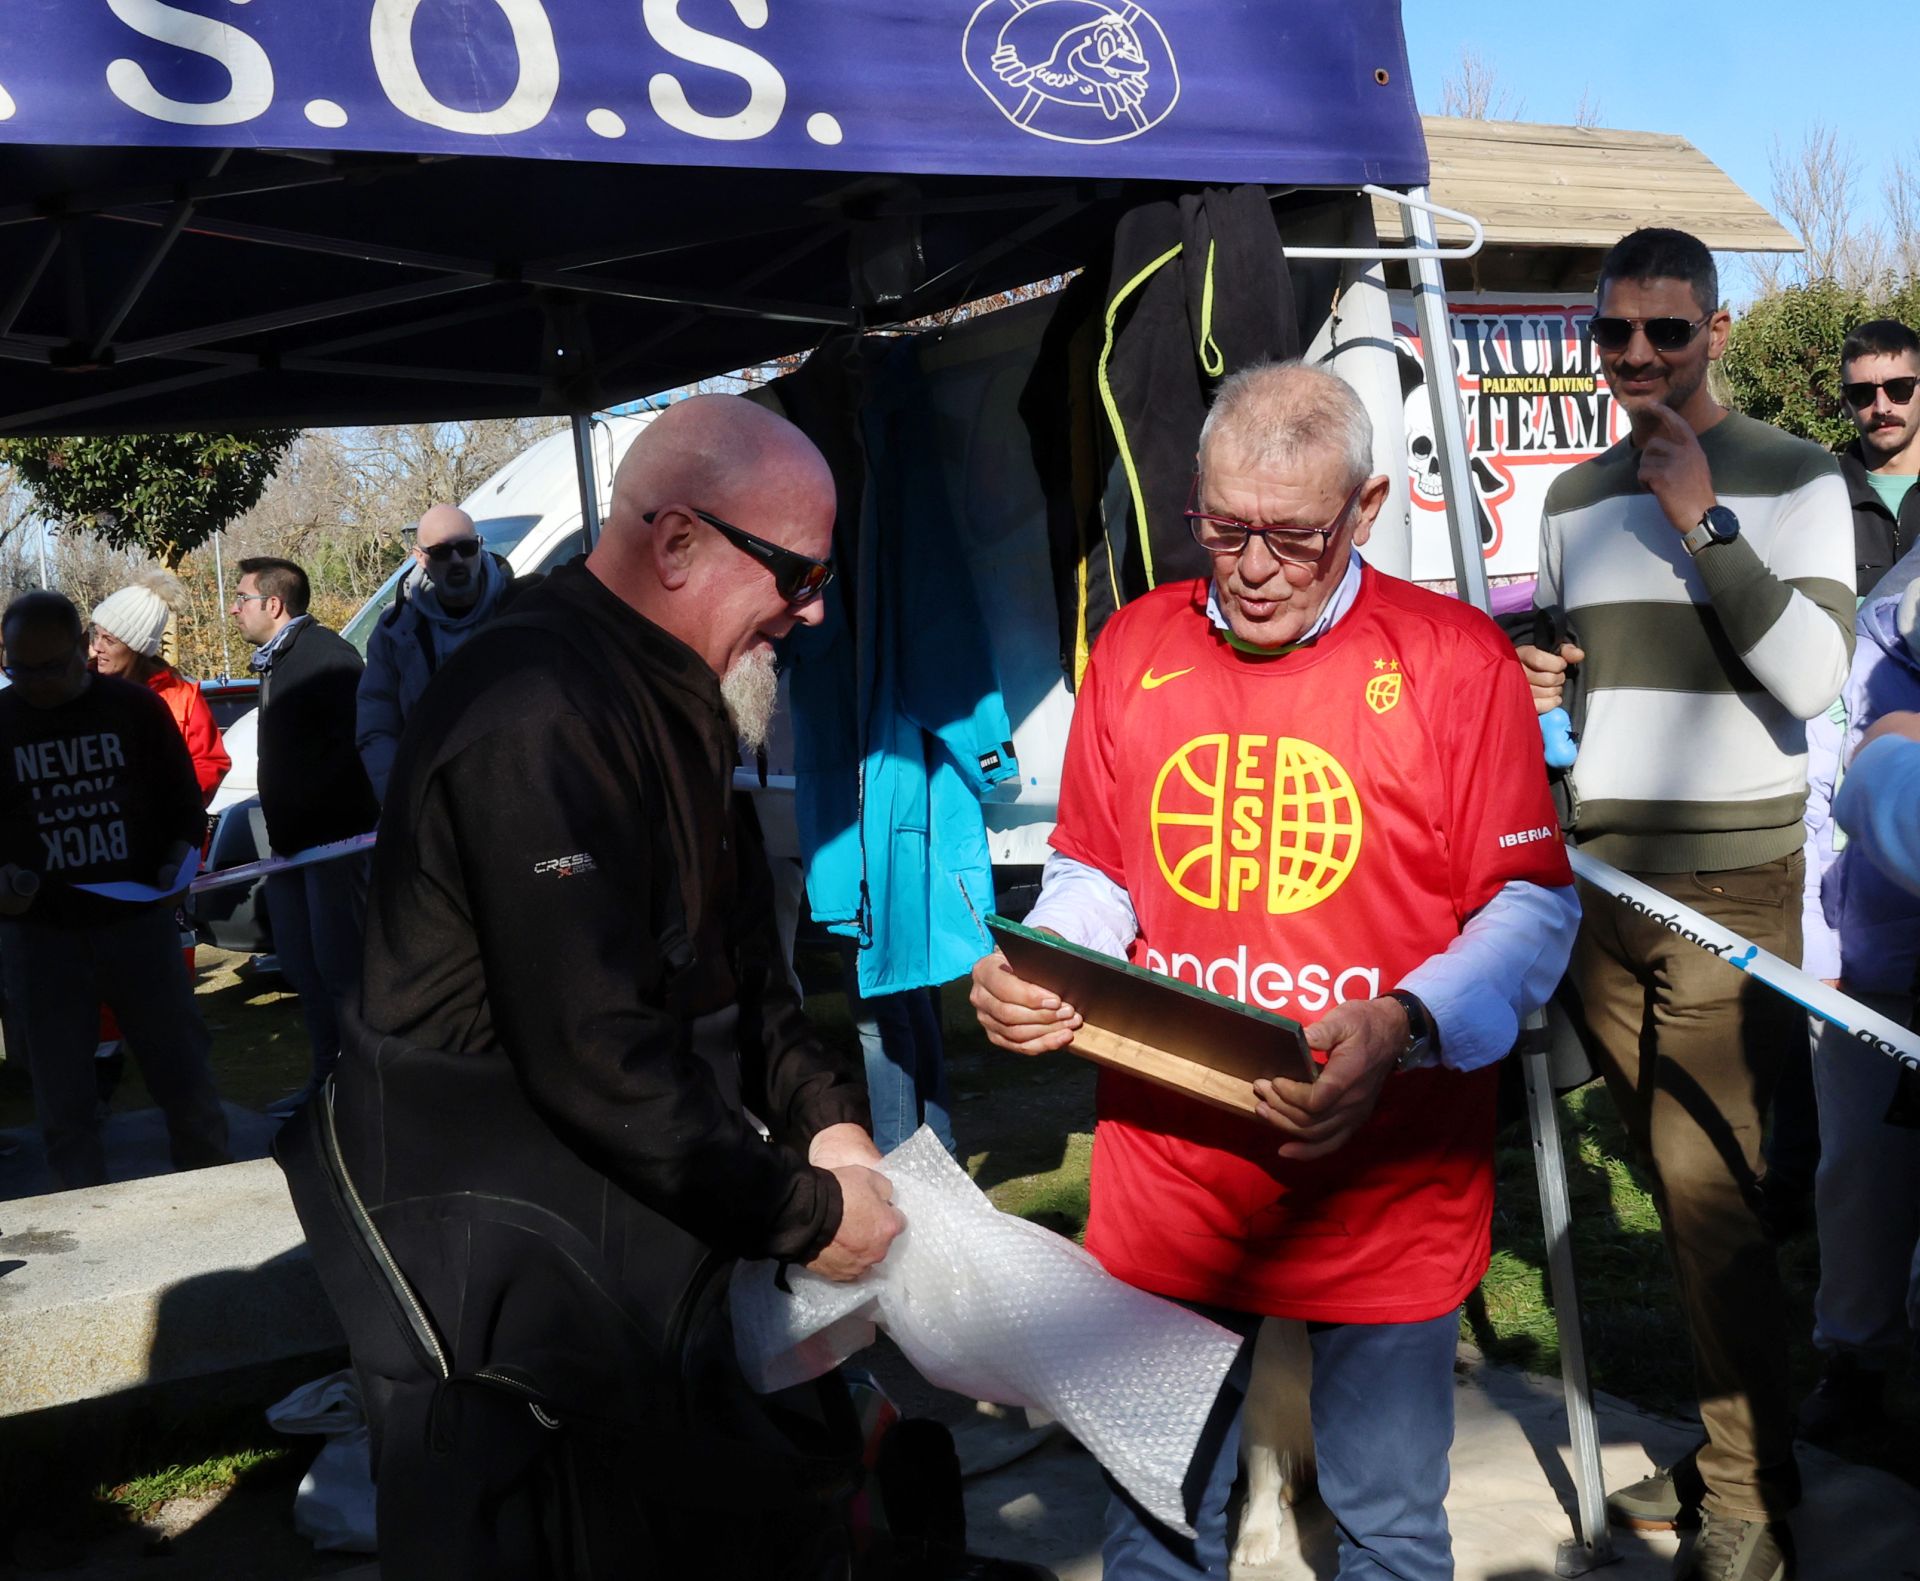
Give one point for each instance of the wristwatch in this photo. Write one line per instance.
(1718, 525)
(1423, 1037)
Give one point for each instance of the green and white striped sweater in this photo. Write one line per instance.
(1700, 671)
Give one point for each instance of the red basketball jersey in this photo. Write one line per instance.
(1296, 832)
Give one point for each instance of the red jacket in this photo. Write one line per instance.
(195, 722)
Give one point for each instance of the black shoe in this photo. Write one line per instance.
(1849, 1398)
(1730, 1549)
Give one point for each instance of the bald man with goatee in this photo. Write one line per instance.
(540, 1152)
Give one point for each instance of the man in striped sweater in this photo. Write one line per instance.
(1705, 569)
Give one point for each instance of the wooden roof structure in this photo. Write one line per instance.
(1580, 187)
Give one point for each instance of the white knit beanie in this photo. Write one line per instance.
(137, 615)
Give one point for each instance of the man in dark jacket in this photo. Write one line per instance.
(313, 792)
(1879, 372)
(574, 1013)
(453, 589)
(96, 788)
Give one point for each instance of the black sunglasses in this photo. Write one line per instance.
(798, 578)
(466, 548)
(1899, 391)
(1663, 334)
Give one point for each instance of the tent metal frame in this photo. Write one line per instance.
(1592, 1544)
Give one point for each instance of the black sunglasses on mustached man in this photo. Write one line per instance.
(1899, 391)
(798, 578)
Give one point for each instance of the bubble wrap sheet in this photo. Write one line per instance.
(995, 1308)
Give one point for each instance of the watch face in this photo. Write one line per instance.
(1721, 523)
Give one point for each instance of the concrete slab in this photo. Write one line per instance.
(1512, 1489)
(136, 1143)
(151, 1281)
(1509, 1506)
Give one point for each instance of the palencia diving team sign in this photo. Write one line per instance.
(1044, 87)
(1536, 403)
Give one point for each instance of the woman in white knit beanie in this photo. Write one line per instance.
(127, 631)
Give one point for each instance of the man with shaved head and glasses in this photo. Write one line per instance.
(1704, 566)
(453, 588)
(581, 1082)
(1318, 790)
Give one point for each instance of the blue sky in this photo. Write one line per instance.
(1726, 76)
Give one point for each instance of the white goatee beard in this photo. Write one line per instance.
(751, 691)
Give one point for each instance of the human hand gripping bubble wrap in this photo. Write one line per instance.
(994, 1308)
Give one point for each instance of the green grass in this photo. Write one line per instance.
(143, 1495)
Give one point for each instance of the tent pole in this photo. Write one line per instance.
(1592, 1545)
(220, 592)
(589, 486)
(1443, 390)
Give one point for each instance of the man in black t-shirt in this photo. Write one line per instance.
(96, 788)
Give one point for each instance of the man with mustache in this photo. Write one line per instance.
(1704, 565)
(1880, 383)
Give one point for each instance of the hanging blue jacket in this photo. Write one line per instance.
(899, 724)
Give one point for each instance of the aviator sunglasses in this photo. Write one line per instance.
(1899, 391)
(1663, 334)
(798, 578)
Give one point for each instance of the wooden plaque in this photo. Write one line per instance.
(1163, 1031)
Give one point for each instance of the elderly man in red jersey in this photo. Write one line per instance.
(1319, 790)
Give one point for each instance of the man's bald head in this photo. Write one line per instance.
(454, 571)
(724, 457)
(712, 451)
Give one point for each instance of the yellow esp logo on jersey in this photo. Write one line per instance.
(1383, 691)
(1242, 821)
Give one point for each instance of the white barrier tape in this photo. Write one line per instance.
(1829, 1004)
(247, 872)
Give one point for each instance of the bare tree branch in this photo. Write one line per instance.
(1813, 190)
(1474, 92)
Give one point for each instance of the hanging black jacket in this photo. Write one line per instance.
(313, 788)
(1194, 289)
(572, 998)
(1878, 539)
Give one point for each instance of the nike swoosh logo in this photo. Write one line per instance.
(1149, 681)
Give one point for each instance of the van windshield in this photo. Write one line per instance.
(502, 535)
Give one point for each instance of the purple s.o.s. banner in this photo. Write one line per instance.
(1302, 91)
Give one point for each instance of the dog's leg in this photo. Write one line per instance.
(1276, 1437)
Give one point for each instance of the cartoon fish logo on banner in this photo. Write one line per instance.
(1073, 71)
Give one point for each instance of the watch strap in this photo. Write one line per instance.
(1422, 1037)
